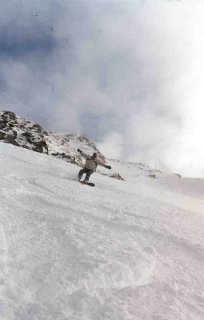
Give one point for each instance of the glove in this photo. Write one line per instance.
(108, 167)
(79, 150)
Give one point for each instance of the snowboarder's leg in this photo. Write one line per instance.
(81, 172)
(88, 173)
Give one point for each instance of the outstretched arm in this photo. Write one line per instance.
(102, 164)
(83, 154)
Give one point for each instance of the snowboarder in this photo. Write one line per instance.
(90, 166)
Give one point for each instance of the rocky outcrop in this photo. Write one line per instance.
(22, 133)
(30, 135)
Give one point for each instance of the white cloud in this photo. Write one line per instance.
(137, 65)
(112, 146)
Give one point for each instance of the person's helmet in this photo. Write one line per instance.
(94, 155)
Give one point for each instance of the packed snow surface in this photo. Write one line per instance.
(124, 250)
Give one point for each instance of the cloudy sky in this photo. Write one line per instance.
(128, 74)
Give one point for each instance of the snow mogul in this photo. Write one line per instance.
(90, 166)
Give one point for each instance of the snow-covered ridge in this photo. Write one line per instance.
(30, 135)
(21, 132)
(131, 171)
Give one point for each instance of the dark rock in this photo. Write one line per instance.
(14, 134)
(62, 155)
(31, 135)
(9, 115)
(2, 135)
(37, 128)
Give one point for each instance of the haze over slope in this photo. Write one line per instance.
(122, 250)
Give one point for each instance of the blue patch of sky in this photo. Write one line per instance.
(17, 44)
(3, 84)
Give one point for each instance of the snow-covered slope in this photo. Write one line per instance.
(124, 250)
(131, 171)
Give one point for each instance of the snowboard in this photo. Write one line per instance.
(91, 184)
